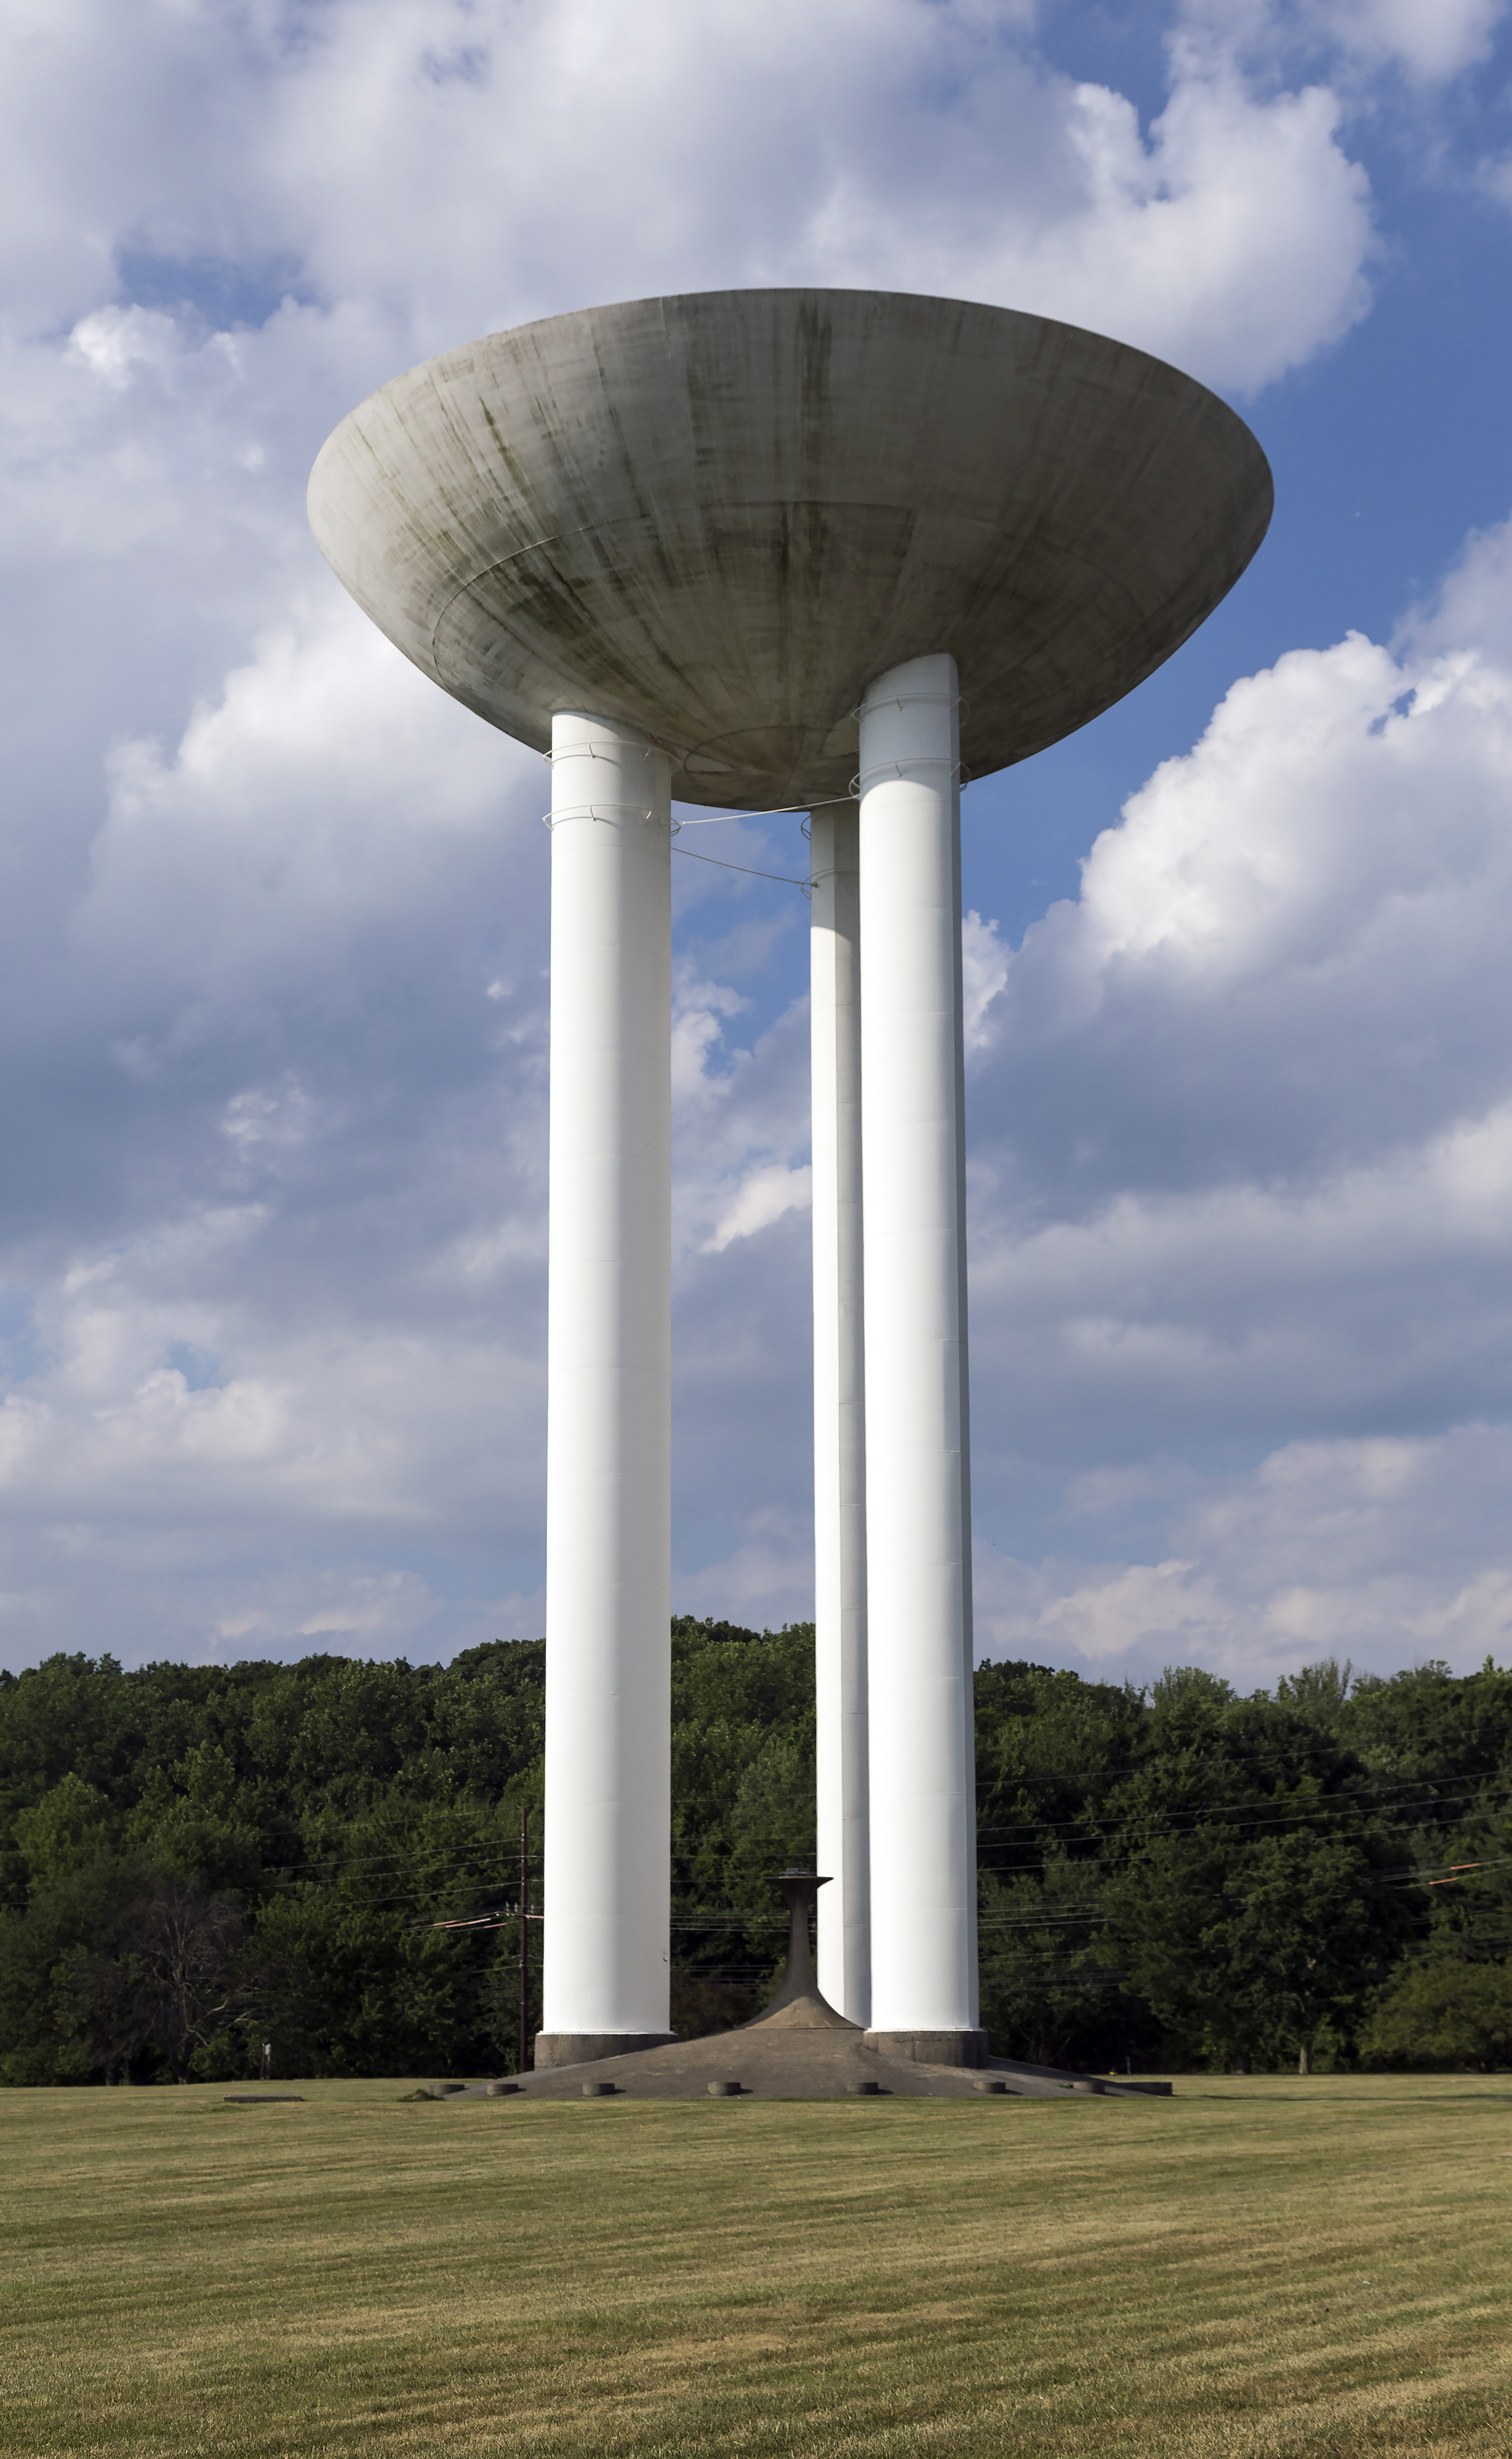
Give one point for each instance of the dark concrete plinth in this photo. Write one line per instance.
(799, 2048)
(578, 2049)
(806, 2051)
(933, 2049)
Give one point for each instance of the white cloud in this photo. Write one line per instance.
(1233, 238)
(1242, 1121)
(1473, 608)
(985, 972)
(1329, 867)
(738, 1114)
(1496, 179)
(1247, 1166)
(763, 1196)
(765, 1579)
(915, 147)
(1431, 39)
(1428, 41)
(273, 941)
(402, 162)
(115, 342)
(376, 1611)
(315, 796)
(1386, 1551)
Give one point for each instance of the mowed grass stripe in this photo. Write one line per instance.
(1261, 2268)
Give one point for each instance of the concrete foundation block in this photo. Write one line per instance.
(933, 2049)
(579, 2049)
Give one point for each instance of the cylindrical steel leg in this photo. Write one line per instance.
(918, 1514)
(608, 1446)
(840, 1608)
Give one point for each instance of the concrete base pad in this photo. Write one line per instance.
(780, 2061)
(579, 2049)
(933, 2049)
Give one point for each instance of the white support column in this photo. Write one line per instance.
(608, 1444)
(840, 1610)
(918, 1512)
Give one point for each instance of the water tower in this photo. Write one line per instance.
(760, 550)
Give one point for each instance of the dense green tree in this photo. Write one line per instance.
(1049, 1991)
(1441, 2011)
(344, 1808)
(1247, 1948)
(1246, 1892)
(743, 1795)
(64, 1917)
(160, 1977)
(195, 1860)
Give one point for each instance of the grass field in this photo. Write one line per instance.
(1262, 2267)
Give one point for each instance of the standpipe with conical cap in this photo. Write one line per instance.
(799, 2005)
(839, 1397)
(799, 1890)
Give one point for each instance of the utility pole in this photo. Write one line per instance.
(524, 1935)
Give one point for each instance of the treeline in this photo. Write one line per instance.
(1192, 1877)
(197, 1860)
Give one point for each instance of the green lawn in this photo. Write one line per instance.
(1259, 2267)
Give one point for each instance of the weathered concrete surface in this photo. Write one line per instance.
(718, 516)
(574, 2048)
(795, 2062)
(799, 2049)
(965, 2047)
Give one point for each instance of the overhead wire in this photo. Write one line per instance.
(743, 868)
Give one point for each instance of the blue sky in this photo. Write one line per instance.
(273, 993)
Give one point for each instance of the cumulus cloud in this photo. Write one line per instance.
(272, 944)
(277, 1290)
(1241, 1121)
(1428, 41)
(1328, 868)
(1247, 1172)
(985, 972)
(326, 789)
(740, 1112)
(1375, 1550)
(1242, 1158)
(404, 165)
(1233, 237)
(1431, 39)
(764, 1195)
(763, 1581)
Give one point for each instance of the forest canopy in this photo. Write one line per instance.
(195, 1860)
